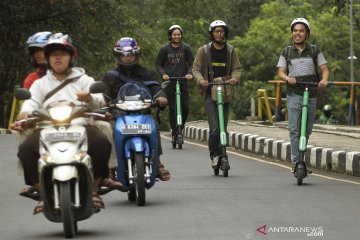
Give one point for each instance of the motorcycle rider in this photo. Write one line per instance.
(61, 56)
(327, 117)
(127, 56)
(35, 47)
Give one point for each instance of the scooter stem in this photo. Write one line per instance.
(178, 104)
(223, 139)
(304, 115)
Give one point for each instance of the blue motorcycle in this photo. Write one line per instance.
(136, 142)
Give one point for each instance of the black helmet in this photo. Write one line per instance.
(59, 41)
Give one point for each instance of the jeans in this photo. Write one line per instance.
(213, 120)
(294, 104)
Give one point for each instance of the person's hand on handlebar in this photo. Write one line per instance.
(162, 101)
(204, 83)
(20, 126)
(165, 77)
(189, 76)
(323, 83)
(291, 80)
(84, 96)
(233, 81)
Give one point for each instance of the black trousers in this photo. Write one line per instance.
(171, 96)
(98, 148)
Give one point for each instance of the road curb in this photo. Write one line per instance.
(317, 157)
(6, 131)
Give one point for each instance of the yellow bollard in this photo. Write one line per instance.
(14, 111)
(262, 92)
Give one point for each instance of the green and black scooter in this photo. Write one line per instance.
(179, 138)
(223, 162)
(300, 171)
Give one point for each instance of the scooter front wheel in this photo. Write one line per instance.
(140, 179)
(225, 167)
(300, 171)
(180, 140)
(69, 223)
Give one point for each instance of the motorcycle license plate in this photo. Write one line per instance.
(62, 136)
(136, 129)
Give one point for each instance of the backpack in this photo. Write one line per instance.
(228, 91)
(314, 55)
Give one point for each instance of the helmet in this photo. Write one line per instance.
(60, 41)
(38, 40)
(126, 46)
(172, 28)
(327, 108)
(218, 23)
(303, 21)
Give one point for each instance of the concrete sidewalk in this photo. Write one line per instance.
(331, 147)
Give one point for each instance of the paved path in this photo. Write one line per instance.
(335, 148)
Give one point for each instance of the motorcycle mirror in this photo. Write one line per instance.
(165, 84)
(98, 87)
(22, 94)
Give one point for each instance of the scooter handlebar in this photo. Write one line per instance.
(176, 78)
(308, 84)
(227, 82)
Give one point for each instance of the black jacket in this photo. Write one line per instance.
(137, 73)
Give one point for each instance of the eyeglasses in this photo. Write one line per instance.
(219, 32)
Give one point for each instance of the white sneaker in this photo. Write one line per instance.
(214, 161)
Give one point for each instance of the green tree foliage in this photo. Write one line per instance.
(259, 30)
(269, 33)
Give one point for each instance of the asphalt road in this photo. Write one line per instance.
(195, 204)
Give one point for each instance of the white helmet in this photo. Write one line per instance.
(218, 23)
(301, 20)
(172, 28)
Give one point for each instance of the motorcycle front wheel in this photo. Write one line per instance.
(69, 223)
(139, 170)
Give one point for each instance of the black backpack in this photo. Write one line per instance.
(314, 55)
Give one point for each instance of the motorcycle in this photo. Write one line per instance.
(65, 168)
(136, 143)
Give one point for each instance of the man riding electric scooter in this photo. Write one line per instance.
(175, 59)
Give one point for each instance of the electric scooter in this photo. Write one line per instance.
(300, 171)
(223, 162)
(65, 168)
(179, 138)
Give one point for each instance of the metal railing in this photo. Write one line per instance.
(353, 120)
